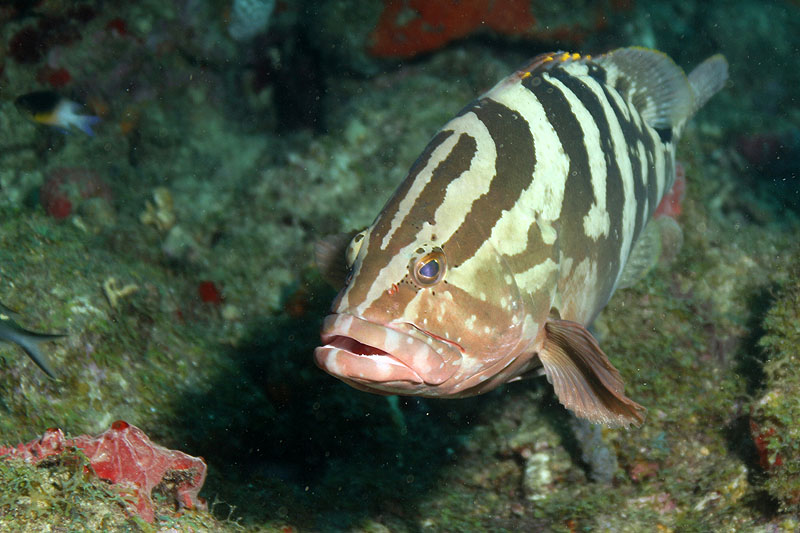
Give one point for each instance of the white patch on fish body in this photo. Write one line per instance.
(538, 276)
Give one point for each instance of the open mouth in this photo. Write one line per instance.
(348, 344)
(370, 355)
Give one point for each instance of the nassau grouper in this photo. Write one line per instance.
(511, 232)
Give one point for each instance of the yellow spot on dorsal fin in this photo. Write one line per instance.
(576, 56)
(526, 75)
(565, 56)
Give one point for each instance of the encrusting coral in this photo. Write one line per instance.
(125, 456)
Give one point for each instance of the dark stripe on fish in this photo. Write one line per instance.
(597, 72)
(514, 165)
(385, 217)
(458, 160)
(535, 253)
(606, 253)
(632, 137)
(570, 134)
(652, 178)
(665, 134)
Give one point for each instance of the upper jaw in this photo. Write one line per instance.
(398, 358)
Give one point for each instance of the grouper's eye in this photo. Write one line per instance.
(429, 269)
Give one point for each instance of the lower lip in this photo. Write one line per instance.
(364, 368)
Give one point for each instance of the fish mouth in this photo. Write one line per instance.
(395, 359)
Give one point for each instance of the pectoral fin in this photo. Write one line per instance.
(329, 255)
(660, 240)
(584, 379)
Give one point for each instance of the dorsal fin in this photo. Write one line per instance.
(657, 87)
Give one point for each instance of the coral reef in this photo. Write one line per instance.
(160, 213)
(774, 415)
(125, 457)
(57, 495)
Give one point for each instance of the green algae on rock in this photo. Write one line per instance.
(57, 495)
(774, 416)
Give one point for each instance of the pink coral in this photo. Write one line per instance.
(126, 457)
(672, 203)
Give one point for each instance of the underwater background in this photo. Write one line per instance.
(173, 248)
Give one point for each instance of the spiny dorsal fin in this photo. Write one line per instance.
(584, 379)
(656, 86)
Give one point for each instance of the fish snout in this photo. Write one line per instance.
(380, 358)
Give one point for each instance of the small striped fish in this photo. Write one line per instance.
(511, 232)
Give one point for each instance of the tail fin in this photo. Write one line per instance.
(85, 123)
(29, 342)
(69, 115)
(707, 79)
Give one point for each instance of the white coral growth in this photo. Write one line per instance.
(249, 17)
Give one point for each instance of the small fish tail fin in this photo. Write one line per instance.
(69, 115)
(29, 342)
(707, 79)
(85, 123)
